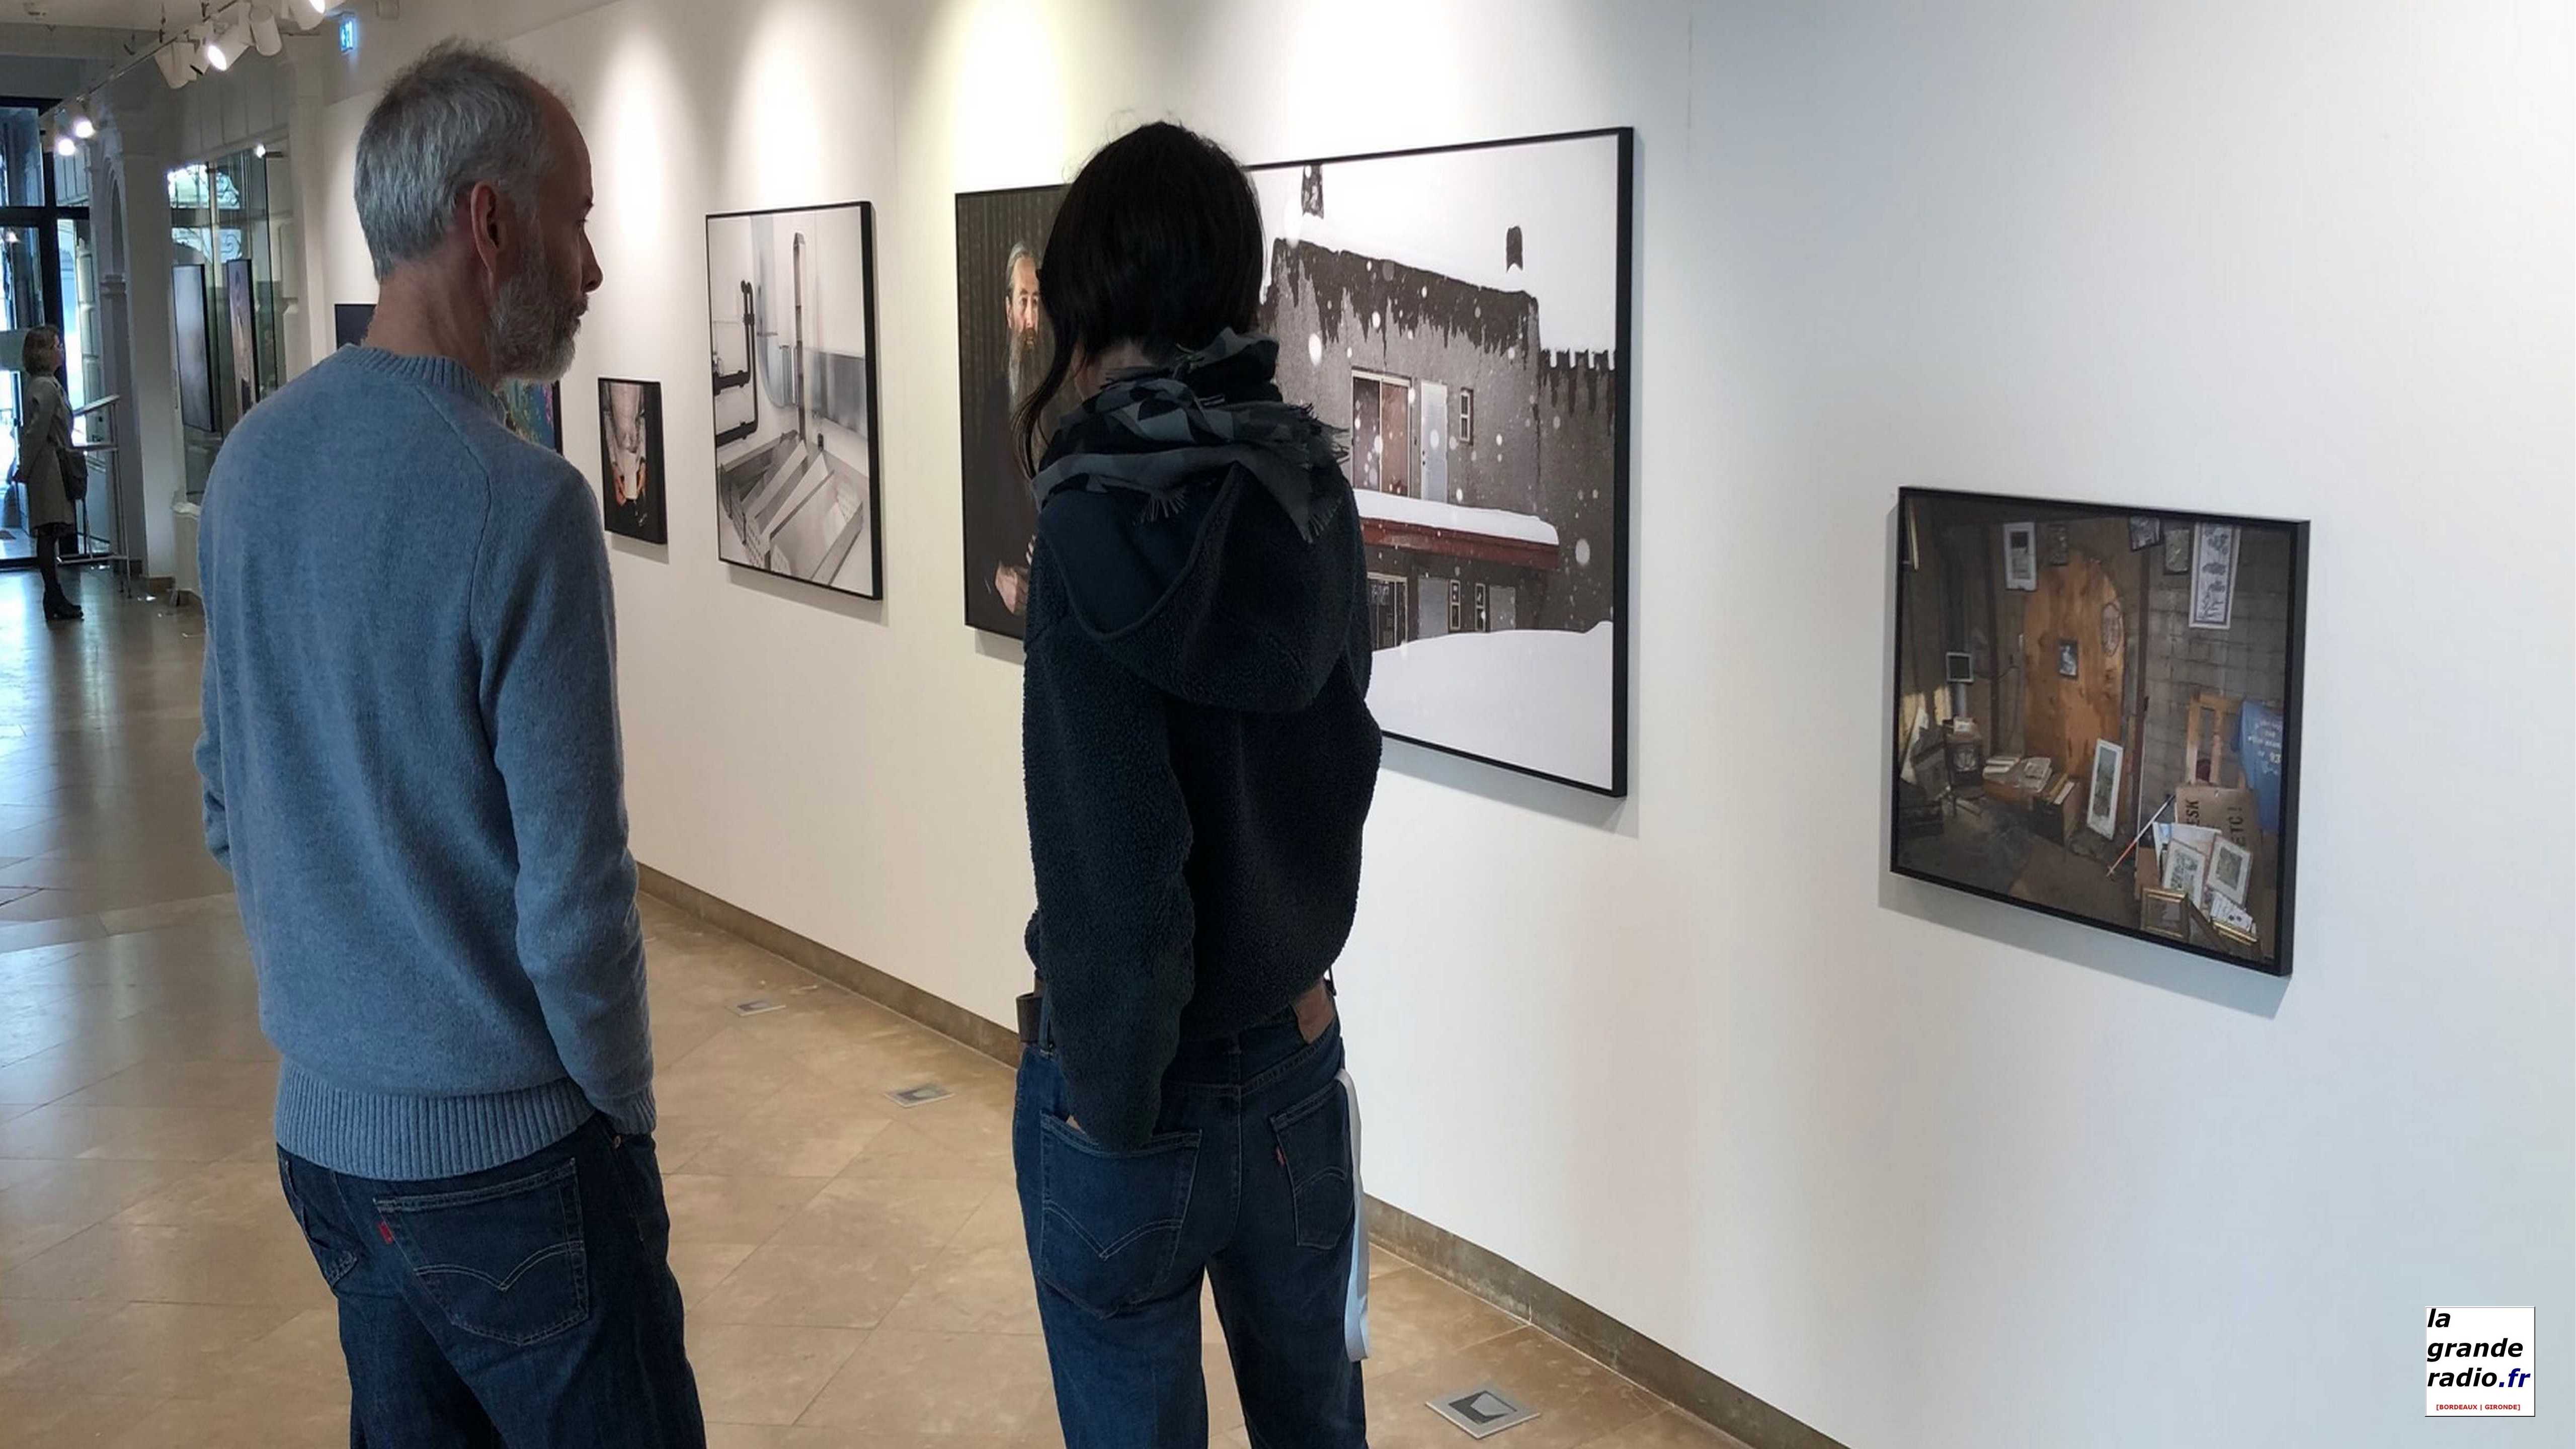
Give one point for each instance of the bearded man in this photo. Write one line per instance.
(412, 770)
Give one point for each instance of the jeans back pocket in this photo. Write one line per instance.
(1315, 1146)
(334, 1257)
(504, 1262)
(1109, 1223)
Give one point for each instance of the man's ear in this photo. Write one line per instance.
(487, 223)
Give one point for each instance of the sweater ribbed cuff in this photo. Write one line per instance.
(633, 1115)
(393, 1138)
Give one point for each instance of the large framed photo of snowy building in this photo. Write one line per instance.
(791, 320)
(2116, 750)
(1463, 313)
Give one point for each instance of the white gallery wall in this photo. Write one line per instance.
(1917, 1169)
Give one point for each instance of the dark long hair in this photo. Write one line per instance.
(1157, 242)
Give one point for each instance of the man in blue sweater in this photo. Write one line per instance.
(412, 770)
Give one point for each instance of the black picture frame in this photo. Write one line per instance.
(647, 519)
(2135, 832)
(195, 347)
(981, 258)
(748, 487)
(349, 323)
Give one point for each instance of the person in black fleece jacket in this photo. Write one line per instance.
(1200, 760)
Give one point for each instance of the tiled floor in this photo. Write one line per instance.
(854, 1270)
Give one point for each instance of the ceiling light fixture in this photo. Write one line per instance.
(82, 126)
(64, 145)
(263, 31)
(222, 45)
(173, 60)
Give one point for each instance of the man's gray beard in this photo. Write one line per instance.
(534, 321)
(1023, 369)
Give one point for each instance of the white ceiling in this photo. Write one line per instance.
(113, 14)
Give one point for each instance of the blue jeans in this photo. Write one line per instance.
(1246, 1181)
(531, 1304)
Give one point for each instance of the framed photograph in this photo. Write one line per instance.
(1959, 668)
(2162, 913)
(1477, 354)
(196, 355)
(2213, 575)
(631, 479)
(2178, 550)
(2118, 728)
(1003, 347)
(241, 316)
(2021, 556)
(791, 325)
(2102, 803)
(2185, 869)
(2231, 870)
(2052, 544)
(2068, 659)
(534, 411)
(349, 323)
(2145, 532)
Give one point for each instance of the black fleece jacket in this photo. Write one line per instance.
(1200, 760)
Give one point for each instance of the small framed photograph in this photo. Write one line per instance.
(1959, 668)
(2213, 575)
(2185, 871)
(2231, 871)
(2052, 544)
(2021, 556)
(2068, 659)
(2178, 551)
(2115, 630)
(2102, 803)
(2161, 912)
(2145, 532)
(630, 460)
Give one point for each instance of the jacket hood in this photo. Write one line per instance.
(1203, 531)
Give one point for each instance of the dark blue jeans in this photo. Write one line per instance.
(1247, 1181)
(532, 1304)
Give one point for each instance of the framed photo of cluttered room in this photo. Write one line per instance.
(2146, 719)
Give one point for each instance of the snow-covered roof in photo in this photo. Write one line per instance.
(1455, 518)
(1448, 212)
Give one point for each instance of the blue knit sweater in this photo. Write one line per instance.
(412, 770)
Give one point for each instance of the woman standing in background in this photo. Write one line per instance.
(45, 461)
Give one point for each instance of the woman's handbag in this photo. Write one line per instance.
(75, 469)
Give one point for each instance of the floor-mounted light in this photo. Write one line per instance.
(263, 31)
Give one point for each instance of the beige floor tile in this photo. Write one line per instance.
(169, 1134)
(222, 1194)
(21, 1241)
(972, 1290)
(240, 1086)
(839, 1286)
(60, 1421)
(86, 1192)
(29, 1326)
(1578, 1400)
(51, 1075)
(238, 1420)
(754, 1436)
(1671, 1429)
(940, 1383)
(905, 1149)
(920, 1215)
(1414, 1316)
(763, 1374)
(782, 1141)
(701, 1266)
(174, 1265)
(148, 1350)
(731, 1209)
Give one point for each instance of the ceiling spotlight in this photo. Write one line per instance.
(308, 13)
(64, 145)
(82, 126)
(260, 150)
(173, 60)
(222, 45)
(263, 31)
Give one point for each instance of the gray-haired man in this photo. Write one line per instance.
(412, 769)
